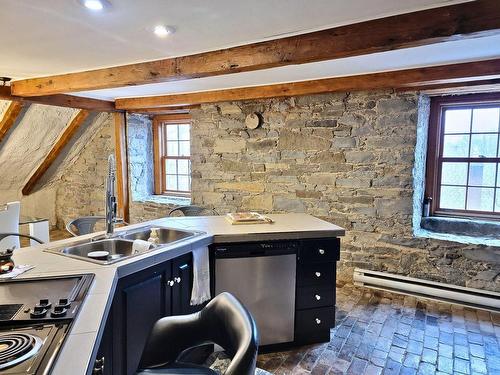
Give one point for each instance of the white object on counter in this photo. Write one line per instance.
(201, 276)
(154, 238)
(16, 271)
(141, 246)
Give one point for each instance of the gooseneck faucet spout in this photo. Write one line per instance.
(111, 204)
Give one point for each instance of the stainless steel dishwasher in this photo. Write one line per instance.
(262, 276)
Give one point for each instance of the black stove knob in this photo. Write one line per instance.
(58, 311)
(64, 302)
(45, 303)
(38, 312)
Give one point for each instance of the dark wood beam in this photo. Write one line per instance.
(453, 22)
(121, 165)
(164, 111)
(9, 118)
(61, 100)
(63, 140)
(409, 78)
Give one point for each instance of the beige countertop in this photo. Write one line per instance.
(79, 348)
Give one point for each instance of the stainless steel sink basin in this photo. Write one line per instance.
(120, 246)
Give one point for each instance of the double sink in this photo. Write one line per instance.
(121, 245)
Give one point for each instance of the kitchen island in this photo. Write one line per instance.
(81, 346)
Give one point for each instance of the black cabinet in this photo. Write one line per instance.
(182, 275)
(139, 301)
(315, 295)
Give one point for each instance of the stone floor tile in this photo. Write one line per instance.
(392, 367)
(426, 369)
(461, 351)
(445, 364)
(415, 347)
(320, 369)
(396, 354)
(445, 350)
(446, 338)
(460, 339)
(400, 341)
(411, 360)
(373, 370)
(431, 342)
(407, 371)
(476, 350)
(461, 366)
(417, 334)
(403, 329)
(429, 356)
(357, 366)
(339, 366)
(478, 365)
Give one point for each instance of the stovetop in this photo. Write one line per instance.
(42, 299)
(35, 316)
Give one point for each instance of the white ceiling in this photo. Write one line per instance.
(48, 37)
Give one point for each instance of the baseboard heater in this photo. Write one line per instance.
(476, 298)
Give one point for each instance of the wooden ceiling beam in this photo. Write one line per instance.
(164, 111)
(453, 22)
(61, 100)
(63, 140)
(9, 118)
(409, 78)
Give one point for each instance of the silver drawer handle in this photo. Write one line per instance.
(318, 321)
(318, 297)
(318, 274)
(321, 251)
(177, 280)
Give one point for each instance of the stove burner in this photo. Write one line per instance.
(17, 347)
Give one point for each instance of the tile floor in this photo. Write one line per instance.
(385, 333)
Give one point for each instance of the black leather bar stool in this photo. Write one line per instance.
(224, 321)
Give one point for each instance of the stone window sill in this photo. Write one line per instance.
(164, 199)
(461, 230)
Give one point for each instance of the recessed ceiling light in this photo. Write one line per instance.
(93, 4)
(162, 30)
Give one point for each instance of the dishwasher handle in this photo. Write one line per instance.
(255, 250)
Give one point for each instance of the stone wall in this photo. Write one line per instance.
(346, 158)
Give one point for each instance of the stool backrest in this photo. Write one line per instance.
(83, 225)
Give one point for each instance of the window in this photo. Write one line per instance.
(172, 155)
(463, 161)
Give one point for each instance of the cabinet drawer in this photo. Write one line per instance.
(309, 297)
(308, 323)
(316, 274)
(320, 250)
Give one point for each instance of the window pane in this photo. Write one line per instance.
(485, 120)
(483, 145)
(184, 148)
(170, 166)
(454, 174)
(172, 132)
(183, 167)
(482, 174)
(456, 146)
(184, 132)
(497, 202)
(172, 148)
(184, 183)
(480, 199)
(171, 182)
(457, 121)
(452, 197)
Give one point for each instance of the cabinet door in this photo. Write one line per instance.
(182, 273)
(104, 359)
(142, 307)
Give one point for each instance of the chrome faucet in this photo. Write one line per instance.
(111, 204)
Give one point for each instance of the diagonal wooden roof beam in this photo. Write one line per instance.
(409, 78)
(61, 100)
(9, 118)
(63, 140)
(453, 22)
